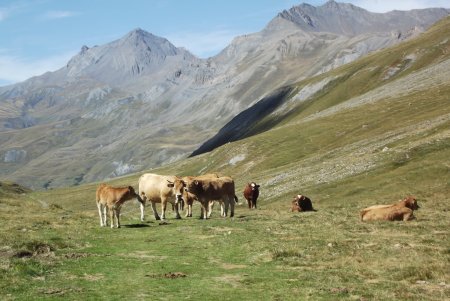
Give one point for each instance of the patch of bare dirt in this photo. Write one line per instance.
(170, 275)
(144, 255)
(94, 277)
(73, 255)
(229, 266)
(58, 291)
(233, 280)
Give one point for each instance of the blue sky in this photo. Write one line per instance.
(42, 35)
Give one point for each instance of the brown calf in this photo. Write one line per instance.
(112, 198)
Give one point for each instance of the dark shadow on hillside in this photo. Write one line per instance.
(242, 125)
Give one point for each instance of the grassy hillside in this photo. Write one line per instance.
(378, 130)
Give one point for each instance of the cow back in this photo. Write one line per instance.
(214, 188)
(111, 195)
(154, 186)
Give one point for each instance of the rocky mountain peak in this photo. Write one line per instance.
(349, 20)
(136, 53)
(139, 38)
(83, 49)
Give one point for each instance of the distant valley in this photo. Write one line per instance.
(140, 102)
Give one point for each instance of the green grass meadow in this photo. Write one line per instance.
(267, 254)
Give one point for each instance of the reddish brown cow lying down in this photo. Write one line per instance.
(301, 203)
(113, 199)
(400, 211)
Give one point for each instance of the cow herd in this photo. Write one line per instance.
(181, 192)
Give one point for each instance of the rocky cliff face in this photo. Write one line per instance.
(139, 101)
(349, 20)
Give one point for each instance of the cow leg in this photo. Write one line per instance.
(408, 216)
(163, 209)
(205, 208)
(99, 206)
(155, 213)
(142, 206)
(210, 208)
(105, 208)
(177, 212)
(189, 210)
(226, 203)
(232, 203)
(222, 210)
(118, 217)
(249, 201)
(111, 217)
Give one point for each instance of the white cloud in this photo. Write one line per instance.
(57, 14)
(12, 9)
(14, 69)
(382, 6)
(3, 14)
(203, 44)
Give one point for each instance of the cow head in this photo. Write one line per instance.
(295, 205)
(131, 190)
(299, 197)
(178, 187)
(411, 203)
(254, 186)
(133, 194)
(194, 186)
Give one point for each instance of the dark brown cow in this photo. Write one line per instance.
(251, 193)
(112, 198)
(220, 189)
(301, 203)
(400, 211)
(189, 198)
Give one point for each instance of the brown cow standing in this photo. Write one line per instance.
(189, 198)
(220, 189)
(112, 198)
(400, 211)
(301, 203)
(251, 193)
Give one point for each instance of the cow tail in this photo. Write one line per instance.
(140, 200)
(236, 200)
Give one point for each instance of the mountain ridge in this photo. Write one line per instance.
(99, 123)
